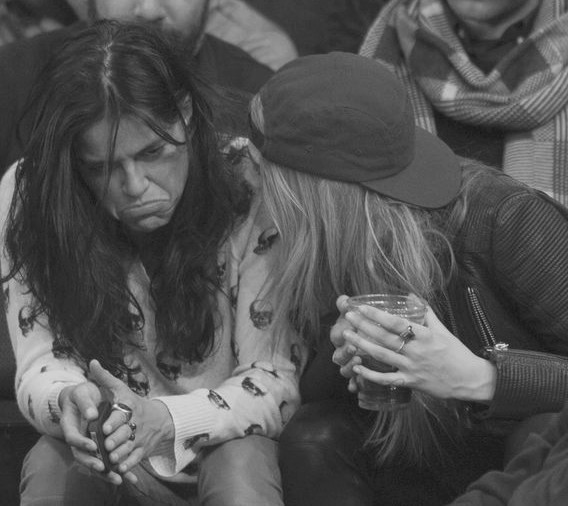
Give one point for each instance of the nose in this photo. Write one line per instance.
(134, 181)
(149, 10)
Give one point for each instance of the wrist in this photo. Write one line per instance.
(480, 386)
(163, 419)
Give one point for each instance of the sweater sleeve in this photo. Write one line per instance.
(44, 364)
(262, 393)
(529, 246)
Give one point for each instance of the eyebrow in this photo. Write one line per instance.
(149, 146)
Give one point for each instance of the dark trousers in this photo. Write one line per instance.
(323, 462)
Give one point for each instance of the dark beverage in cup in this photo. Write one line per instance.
(373, 396)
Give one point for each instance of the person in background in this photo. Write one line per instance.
(28, 18)
(321, 26)
(489, 77)
(535, 476)
(135, 259)
(21, 62)
(366, 202)
(236, 22)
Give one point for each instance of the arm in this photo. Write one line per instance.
(532, 477)
(262, 392)
(44, 366)
(529, 245)
(52, 389)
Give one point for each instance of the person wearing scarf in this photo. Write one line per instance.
(490, 78)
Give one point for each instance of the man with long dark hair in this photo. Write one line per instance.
(133, 274)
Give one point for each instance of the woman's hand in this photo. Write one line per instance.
(345, 354)
(128, 444)
(434, 361)
(78, 404)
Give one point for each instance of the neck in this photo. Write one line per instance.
(494, 28)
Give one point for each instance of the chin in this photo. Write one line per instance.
(148, 225)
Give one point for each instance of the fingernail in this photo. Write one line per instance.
(356, 369)
(349, 315)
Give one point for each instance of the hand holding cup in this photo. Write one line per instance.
(433, 361)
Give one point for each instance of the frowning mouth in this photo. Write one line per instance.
(145, 208)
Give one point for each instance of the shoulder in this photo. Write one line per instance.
(26, 57)
(501, 209)
(20, 64)
(255, 231)
(230, 66)
(500, 196)
(7, 185)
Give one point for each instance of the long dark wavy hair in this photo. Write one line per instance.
(69, 251)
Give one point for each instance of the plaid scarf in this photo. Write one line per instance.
(526, 94)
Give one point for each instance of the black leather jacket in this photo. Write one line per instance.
(512, 288)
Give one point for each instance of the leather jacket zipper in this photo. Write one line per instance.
(480, 319)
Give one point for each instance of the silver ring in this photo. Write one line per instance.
(407, 334)
(401, 347)
(132, 426)
(123, 408)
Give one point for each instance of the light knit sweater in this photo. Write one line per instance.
(249, 383)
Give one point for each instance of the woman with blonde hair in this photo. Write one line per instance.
(366, 202)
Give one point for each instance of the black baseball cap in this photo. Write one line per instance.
(345, 117)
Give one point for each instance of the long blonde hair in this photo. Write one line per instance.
(341, 238)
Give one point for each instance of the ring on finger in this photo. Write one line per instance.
(132, 426)
(123, 408)
(406, 336)
(401, 347)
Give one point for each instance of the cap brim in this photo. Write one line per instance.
(432, 179)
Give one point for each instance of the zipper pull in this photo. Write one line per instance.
(490, 352)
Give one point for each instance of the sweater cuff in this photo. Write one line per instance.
(194, 420)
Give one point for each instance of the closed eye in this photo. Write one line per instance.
(152, 153)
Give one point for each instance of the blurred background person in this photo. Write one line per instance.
(490, 77)
(236, 22)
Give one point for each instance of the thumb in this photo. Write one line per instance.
(104, 379)
(341, 303)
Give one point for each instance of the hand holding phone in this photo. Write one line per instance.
(95, 432)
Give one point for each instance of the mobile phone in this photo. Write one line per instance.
(95, 432)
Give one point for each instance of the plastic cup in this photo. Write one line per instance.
(372, 396)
